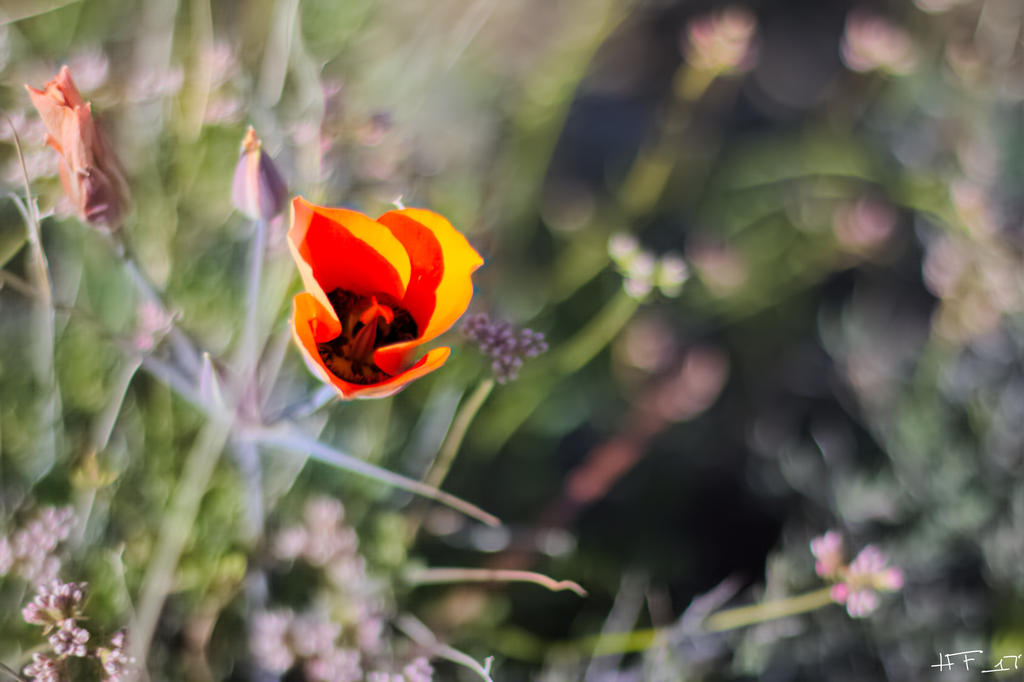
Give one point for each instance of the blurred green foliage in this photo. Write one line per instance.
(845, 354)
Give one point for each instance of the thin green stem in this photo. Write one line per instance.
(729, 619)
(598, 333)
(515, 405)
(31, 215)
(457, 433)
(249, 347)
(742, 616)
(442, 463)
(44, 320)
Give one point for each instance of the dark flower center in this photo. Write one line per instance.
(366, 324)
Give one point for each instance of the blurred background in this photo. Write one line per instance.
(775, 251)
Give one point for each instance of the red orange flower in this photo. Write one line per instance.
(89, 171)
(375, 291)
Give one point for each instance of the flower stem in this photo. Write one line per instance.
(515, 404)
(442, 463)
(249, 346)
(439, 576)
(722, 621)
(742, 616)
(457, 433)
(43, 320)
(603, 327)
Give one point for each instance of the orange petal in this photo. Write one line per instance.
(56, 100)
(78, 139)
(427, 364)
(335, 248)
(441, 284)
(312, 324)
(67, 88)
(49, 110)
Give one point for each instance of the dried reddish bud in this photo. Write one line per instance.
(89, 170)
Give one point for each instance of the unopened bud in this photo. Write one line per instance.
(258, 190)
(89, 170)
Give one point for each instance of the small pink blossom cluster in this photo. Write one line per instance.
(329, 648)
(858, 583)
(282, 640)
(43, 669)
(723, 41)
(55, 603)
(117, 664)
(872, 43)
(324, 541)
(30, 551)
(57, 607)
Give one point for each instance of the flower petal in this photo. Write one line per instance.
(57, 98)
(335, 248)
(440, 286)
(427, 364)
(312, 323)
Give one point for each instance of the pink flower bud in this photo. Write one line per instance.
(258, 190)
(828, 550)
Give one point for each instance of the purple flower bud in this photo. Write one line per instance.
(508, 348)
(532, 343)
(828, 550)
(258, 190)
(506, 368)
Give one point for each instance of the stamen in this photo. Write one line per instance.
(376, 310)
(367, 324)
(362, 344)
